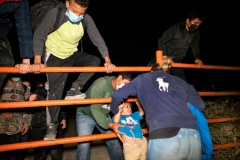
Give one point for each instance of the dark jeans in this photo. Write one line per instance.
(57, 81)
(41, 152)
(179, 73)
(24, 138)
(6, 57)
(9, 139)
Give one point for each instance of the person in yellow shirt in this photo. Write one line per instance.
(60, 48)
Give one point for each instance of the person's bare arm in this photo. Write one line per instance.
(24, 66)
(199, 62)
(7, 115)
(37, 64)
(63, 123)
(25, 129)
(116, 119)
(117, 116)
(108, 65)
(32, 97)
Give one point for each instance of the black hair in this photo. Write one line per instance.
(41, 93)
(82, 3)
(125, 75)
(196, 13)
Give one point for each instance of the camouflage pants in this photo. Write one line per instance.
(6, 57)
(9, 139)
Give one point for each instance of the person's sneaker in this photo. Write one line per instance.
(50, 136)
(75, 94)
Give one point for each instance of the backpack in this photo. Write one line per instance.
(205, 135)
(39, 10)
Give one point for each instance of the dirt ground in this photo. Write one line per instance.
(98, 152)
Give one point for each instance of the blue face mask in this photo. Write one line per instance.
(16, 79)
(74, 18)
(47, 87)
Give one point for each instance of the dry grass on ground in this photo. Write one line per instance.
(227, 132)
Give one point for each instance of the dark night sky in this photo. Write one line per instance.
(132, 28)
(131, 31)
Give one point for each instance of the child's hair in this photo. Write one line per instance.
(129, 104)
(165, 65)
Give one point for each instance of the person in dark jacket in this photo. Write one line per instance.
(173, 131)
(20, 10)
(61, 50)
(39, 125)
(181, 36)
(98, 115)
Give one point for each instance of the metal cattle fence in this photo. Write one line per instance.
(94, 137)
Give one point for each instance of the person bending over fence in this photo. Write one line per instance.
(98, 115)
(173, 131)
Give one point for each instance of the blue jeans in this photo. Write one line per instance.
(85, 126)
(185, 145)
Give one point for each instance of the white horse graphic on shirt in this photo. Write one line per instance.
(163, 86)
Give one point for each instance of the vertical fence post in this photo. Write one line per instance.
(159, 56)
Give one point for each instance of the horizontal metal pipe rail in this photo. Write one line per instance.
(25, 145)
(27, 104)
(69, 140)
(77, 139)
(118, 68)
(94, 137)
